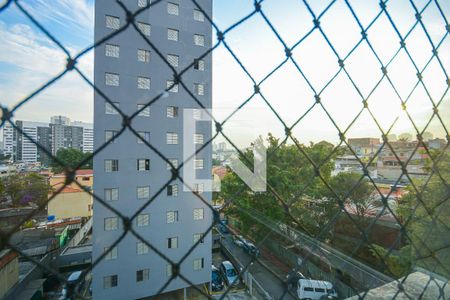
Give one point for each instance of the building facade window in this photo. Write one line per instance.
(198, 164)
(112, 50)
(199, 89)
(171, 138)
(174, 162)
(143, 3)
(172, 111)
(110, 110)
(199, 188)
(143, 192)
(145, 28)
(173, 88)
(144, 112)
(199, 40)
(144, 135)
(143, 220)
(142, 275)
(141, 248)
(112, 22)
(109, 135)
(172, 190)
(199, 138)
(169, 270)
(143, 164)
(198, 213)
(198, 237)
(199, 64)
(199, 264)
(173, 60)
(143, 55)
(143, 83)
(112, 254)
(112, 194)
(173, 9)
(112, 79)
(197, 113)
(110, 281)
(172, 243)
(198, 16)
(111, 223)
(172, 216)
(111, 165)
(172, 34)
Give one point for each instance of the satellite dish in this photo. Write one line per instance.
(51, 218)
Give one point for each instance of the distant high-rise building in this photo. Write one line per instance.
(88, 135)
(127, 172)
(60, 120)
(8, 139)
(26, 150)
(64, 136)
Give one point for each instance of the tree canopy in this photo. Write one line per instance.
(71, 158)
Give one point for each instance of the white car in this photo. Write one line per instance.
(315, 289)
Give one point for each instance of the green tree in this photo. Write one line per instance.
(23, 189)
(71, 158)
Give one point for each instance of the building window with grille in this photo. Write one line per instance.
(109, 136)
(198, 213)
(173, 9)
(172, 138)
(199, 264)
(172, 34)
(142, 275)
(111, 223)
(143, 164)
(198, 164)
(198, 138)
(199, 188)
(112, 50)
(173, 60)
(112, 22)
(143, 55)
(172, 243)
(172, 216)
(145, 28)
(197, 113)
(143, 3)
(143, 192)
(199, 64)
(169, 270)
(198, 237)
(141, 248)
(112, 194)
(144, 135)
(173, 88)
(199, 40)
(112, 79)
(111, 165)
(145, 112)
(143, 220)
(172, 190)
(110, 110)
(143, 83)
(198, 16)
(174, 162)
(199, 89)
(172, 111)
(110, 281)
(112, 254)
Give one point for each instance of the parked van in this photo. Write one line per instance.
(315, 289)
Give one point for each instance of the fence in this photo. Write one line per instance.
(422, 214)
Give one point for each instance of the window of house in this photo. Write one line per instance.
(173, 60)
(198, 16)
(198, 164)
(143, 164)
(111, 79)
(143, 192)
(111, 165)
(173, 88)
(142, 275)
(112, 194)
(112, 254)
(198, 138)
(169, 270)
(172, 111)
(141, 248)
(143, 3)
(174, 162)
(198, 213)
(171, 138)
(172, 216)
(199, 264)
(198, 237)
(112, 22)
(173, 9)
(197, 114)
(172, 190)
(144, 28)
(199, 40)
(144, 136)
(199, 89)
(172, 243)
(143, 55)
(199, 64)
(143, 83)
(112, 50)
(145, 112)
(143, 220)
(172, 34)
(110, 281)
(111, 223)
(110, 110)
(109, 135)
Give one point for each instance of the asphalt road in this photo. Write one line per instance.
(265, 278)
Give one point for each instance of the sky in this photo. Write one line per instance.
(28, 59)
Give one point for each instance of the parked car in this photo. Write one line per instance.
(229, 273)
(216, 279)
(250, 248)
(239, 240)
(315, 289)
